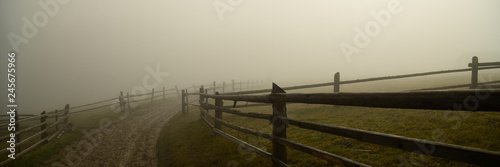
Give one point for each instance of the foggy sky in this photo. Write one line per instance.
(91, 50)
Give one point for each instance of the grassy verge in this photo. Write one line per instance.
(187, 141)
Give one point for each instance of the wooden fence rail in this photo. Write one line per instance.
(439, 100)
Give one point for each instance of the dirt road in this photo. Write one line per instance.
(132, 141)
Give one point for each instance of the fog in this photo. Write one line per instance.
(86, 51)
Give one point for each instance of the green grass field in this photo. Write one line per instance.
(188, 141)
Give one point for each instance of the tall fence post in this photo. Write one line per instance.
(223, 86)
(241, 89)
(163, 94)
(183, 103)
(122, 101)
(336, 82)
(187, 101)
(473, 81)
(177, 90)
(206, 92)
(214, 88)
(218, 112)
(66, 114)
(57, 118)
(43, 119)
(202, 90)
(152, 95)
(128, 101)
(279, 125)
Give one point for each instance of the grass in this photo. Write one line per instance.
(186, 134)
(188, 141)
(55, 150)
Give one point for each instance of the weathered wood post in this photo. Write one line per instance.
(177, 90)
(66, 114)
(223, 86)
(218, 112)
(57, 125)
(122, 101)
(128, 101)
(43, 119)
(473, 81)
(187, 101)
(202, 90)
(206, 92)
(279, 125)
(232, 86)
(183, 101)
(163, 94)
(214, 88)
(241, 89)
(152, 95)
(336, 82)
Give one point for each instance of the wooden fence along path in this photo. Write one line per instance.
(441, 100)
(37, 129)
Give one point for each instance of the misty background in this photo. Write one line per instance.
(91, 50)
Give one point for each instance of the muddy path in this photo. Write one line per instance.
(128, 142)
(131, 141)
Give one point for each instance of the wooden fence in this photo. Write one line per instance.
(250, 84)
(43, 128)
(441, 100)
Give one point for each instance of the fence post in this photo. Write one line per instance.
(473, 81)
(43, 119)
(206, 92)
(214, 88)
(122, 101)
(164, 94)
(57, 124)
(336, 82)
(187, 101)
(177, 90)
(128, 101)
(202, 90)
(279, 126)
(152, 95)
(223, 86)
(183, 103)
(218, 113)
(66, 114)
(240, 86)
